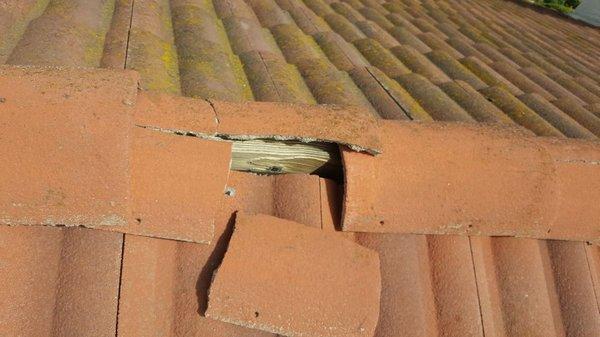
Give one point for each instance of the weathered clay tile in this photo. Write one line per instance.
(207, 65)
(546, 198)
(563, 122)
(453, 281)
(427, 27)
(67, 33)
(389, 98)
(420, 64)
(381, 58)
(517, 298)
(574, 87)
(352, 126)
(234, 8)
(437, 104)
(356, 4)
(589, 84)
(519, 112)
(279, 295)
(376, 5)
(14, 19)
(342, 26)
(115, 43)
(331, 86)
(347, 11)
(269, 13)
(436, 43)
(455, 69)
(177, 195)
(151, 48)
(570, 263)
(68, 279)
(540, 78)
(375, 32)
(465, 48)
(302, 201)
(516, 57)
(408, 303)
(522, 36)
(594, 108)
(306, 19)
(320, 7)
(341, 53)
(525, 84)
(377, 17)
(541, 62)
(489, 75)
(248, 36)
(401, 21)
(39, 187)
(474, 103)
(272, 79)
(493, 53)
(404, 36)
(295, 45)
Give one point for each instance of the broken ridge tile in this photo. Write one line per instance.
(294, 280)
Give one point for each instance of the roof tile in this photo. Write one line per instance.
(279, 295)
(437, 104)
(542, 195)
(420, 64)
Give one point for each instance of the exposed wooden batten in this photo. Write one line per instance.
(286, 156)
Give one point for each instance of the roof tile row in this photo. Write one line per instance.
(521, 287)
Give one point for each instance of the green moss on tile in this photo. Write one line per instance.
(381, 58)
(16, 28)
(519, 112)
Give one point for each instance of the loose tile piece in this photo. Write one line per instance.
(356, 127)
(352, 126)
(478, 180)
(268, 276)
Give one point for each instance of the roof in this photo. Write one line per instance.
(487, 61)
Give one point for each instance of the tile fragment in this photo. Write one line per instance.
(277, 294)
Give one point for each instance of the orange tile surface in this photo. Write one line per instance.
(267, 281)
(311, 51)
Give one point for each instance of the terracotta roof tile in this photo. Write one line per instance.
(61, 196)
(341, 53)
(560, 120)
(342, 26)
(278, 294)
(201, 47)
(455, 69)
(539, 199)
(420, 64)
(381, 57)
(151, 50)
(375, 32)
(68, 279)
(519, 112)
(388, 97)
(432, 98)
(525, 84)
(65, 34)
(405, 36)
(474, 103)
